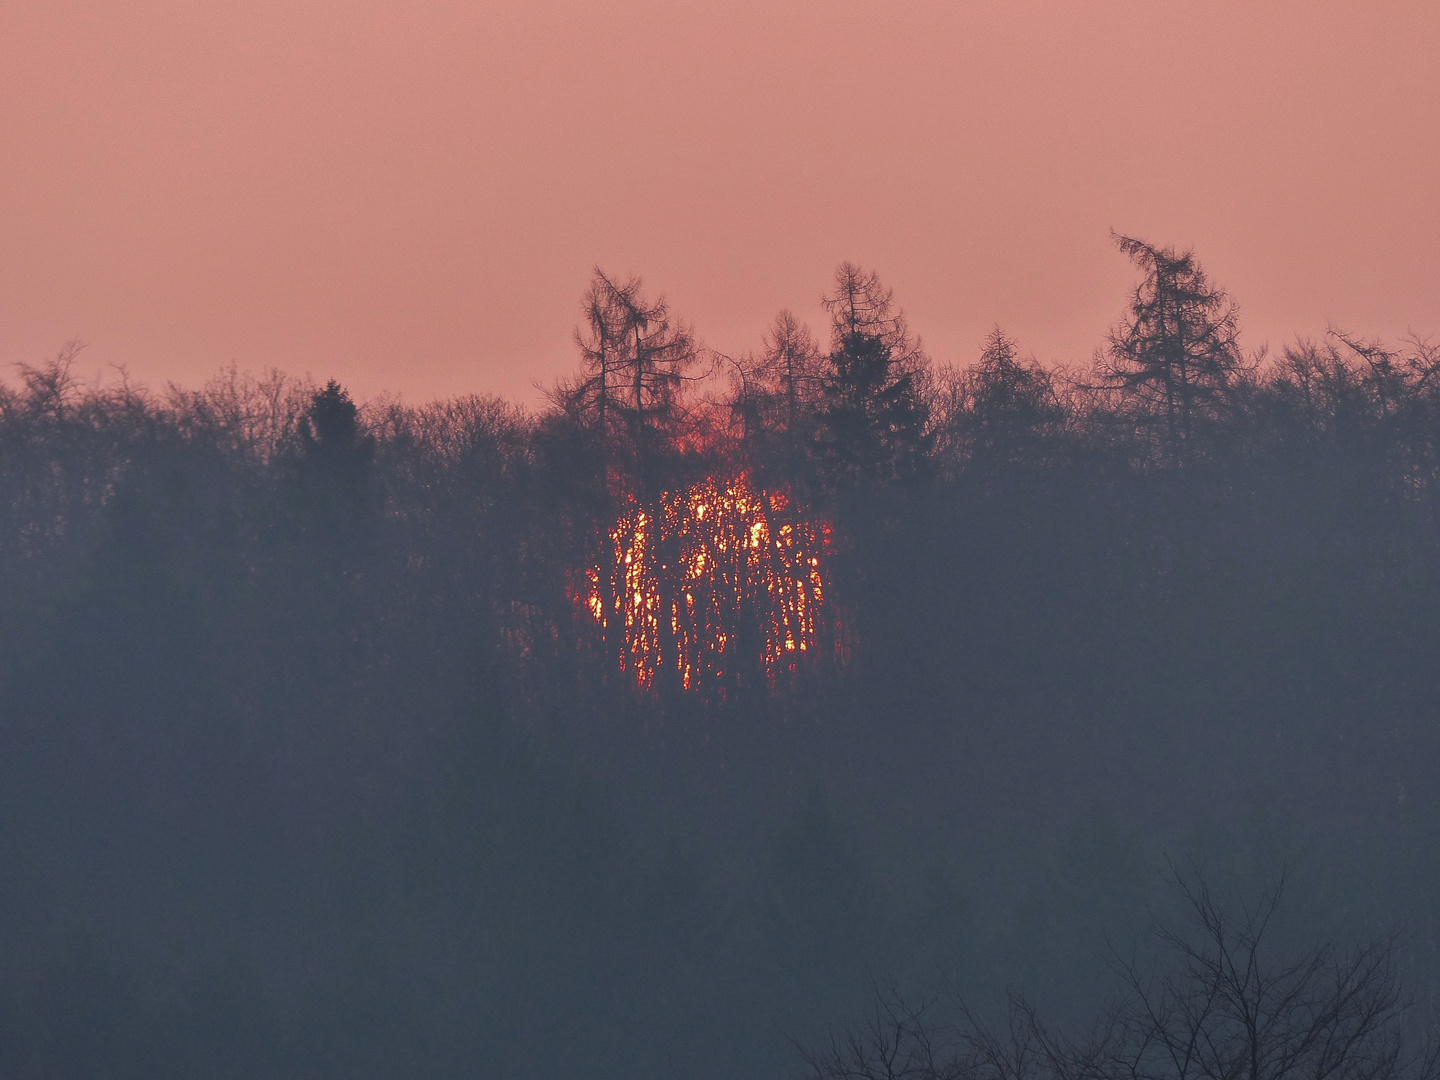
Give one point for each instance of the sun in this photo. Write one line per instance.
(712, 584)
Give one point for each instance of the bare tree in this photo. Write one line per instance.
(859, 303)
(1229, 1008)
(52, 388)
(634, 364)
(774, 395)
(1176, 353)
(248, 418)
(1220, 1005)
(896, 1039)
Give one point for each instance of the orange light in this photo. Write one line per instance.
(749, 567)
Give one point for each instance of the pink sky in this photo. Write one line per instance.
(410, 195)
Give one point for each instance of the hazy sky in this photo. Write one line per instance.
(410, 195)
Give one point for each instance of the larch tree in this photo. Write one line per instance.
(774, 397)
(1175, 355)
(635, 362)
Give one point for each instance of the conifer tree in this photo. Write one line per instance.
(634, 365)
(1175, 355)
(872, 411)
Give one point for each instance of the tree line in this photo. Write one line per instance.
(315, 759)
(841, 427)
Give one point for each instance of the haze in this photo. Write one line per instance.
(410, 196)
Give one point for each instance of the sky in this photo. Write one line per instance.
(410, 196)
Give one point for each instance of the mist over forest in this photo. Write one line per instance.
(665, 728)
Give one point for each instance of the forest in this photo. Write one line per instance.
(677, 725)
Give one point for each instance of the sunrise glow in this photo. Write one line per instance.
(712, 581)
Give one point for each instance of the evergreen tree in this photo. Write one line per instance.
(337, 496)
(871, 426)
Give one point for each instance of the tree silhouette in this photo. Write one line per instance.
(635, 363)
(773, 400)
(1003, 409)
(336, 493)
(1175, 355)
(332, 425)
(872, 413)
(1223, 1007)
